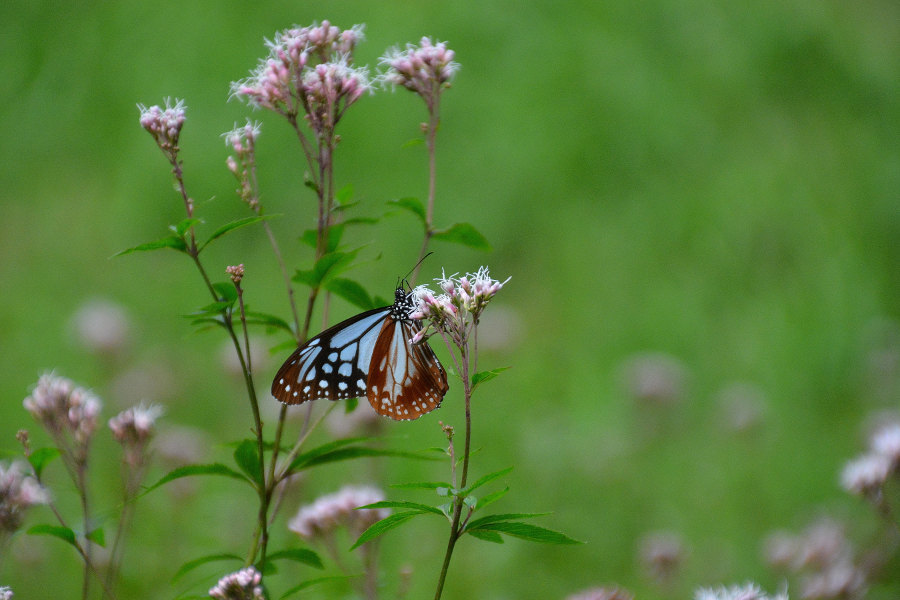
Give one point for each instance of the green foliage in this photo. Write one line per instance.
(204, 560)
(40, 458)
(485, 376)
(246, 457)
(63, 533)
(192, 470)
(351, 291)
(464, 234)
(386, 524)
(311, 582)
(228, 227)
(526, 531)
(298, 555)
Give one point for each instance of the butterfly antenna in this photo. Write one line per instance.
(415, 270)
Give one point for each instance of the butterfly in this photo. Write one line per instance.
(368, 355)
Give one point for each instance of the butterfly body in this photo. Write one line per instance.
(368, 355)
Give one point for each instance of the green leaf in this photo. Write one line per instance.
(226, 292)
(174, 242)
(232, 226)
(272, 321)
(357, 452)
(193, 564)
(350, 405)
(63, 533)
(487, 478)
(42, 457)
(350, 291)
(329, 266)
(246, 457)
(491, 498)
(312, 582)
(310, 237)
(182, 228)
(488, 536)
(402, 504)
(532, 533)
(465, 234)
(97, 536)
(344, 195)
(485, 376)
(191, 470)
(413, 205)
(425, 485)
(499, 518)
(413, 142)
(300, 555)
(310, 455)
(385, 525)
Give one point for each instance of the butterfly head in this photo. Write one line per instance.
(404, 303)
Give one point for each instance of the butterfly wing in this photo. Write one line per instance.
(405, 380)
(334, 364)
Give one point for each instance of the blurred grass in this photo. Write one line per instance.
(713, 181)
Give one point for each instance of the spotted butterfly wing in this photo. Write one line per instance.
(367, 355)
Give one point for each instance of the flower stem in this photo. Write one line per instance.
(455, 529)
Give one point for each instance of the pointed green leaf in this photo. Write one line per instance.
(302, 459)
(97, 536)
(42, 457)
(350, 405)
(311, 582)
(193, 564)
(413, 205)
(191, 470)
(344, 195)
(329, 266)
(485, 376)
(246, 456)
(182, 228)
(234, 225)
(63, 533)
(487, 478)
(310, 237)
(271, 321)
(465, 234)
(426, 485)
(499, 518)
(174, 242)
(226, 292)
(491, 498)
(402, 504)
(413, 142)
(301, 555)
(385, 525)
(532, 533)
(488, 536)
(358, 452)
(350, 291)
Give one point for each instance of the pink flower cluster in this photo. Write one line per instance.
(164, 124)
(458, 309)
(423, 69)
(243, 141)
(64, 409)
(327, 513)
(824, 557)
(245, 584)
(308, 70)
(134, 428)
(748, 591)
(867, 474)
(18, 492)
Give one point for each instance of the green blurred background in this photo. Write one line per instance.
(697, 202)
